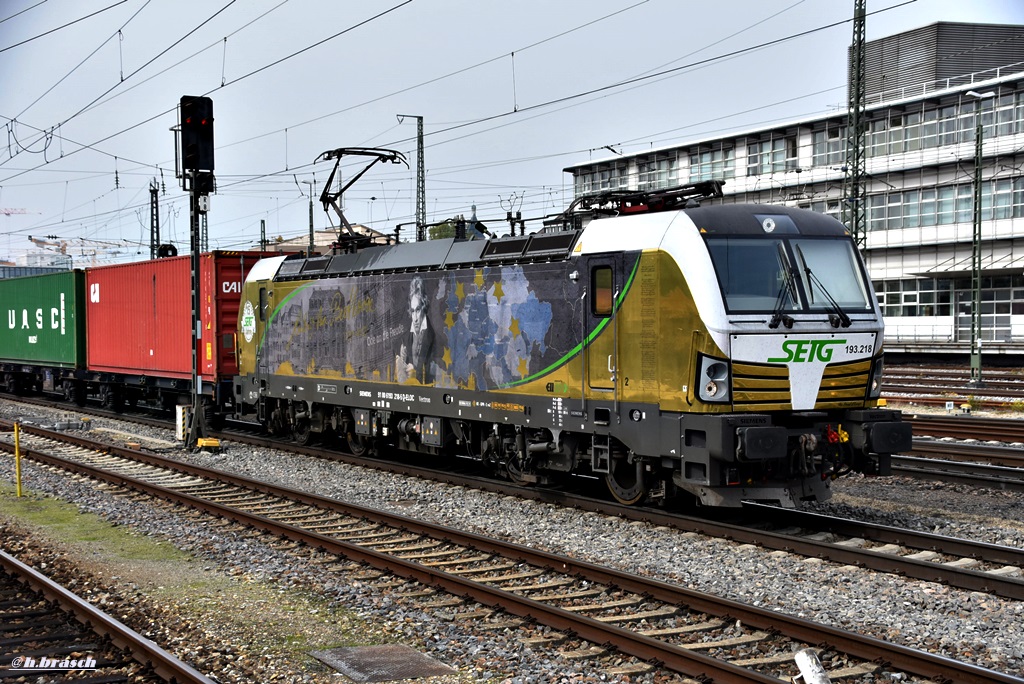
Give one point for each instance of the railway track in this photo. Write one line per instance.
(968, 427)
(945, 470)
(938, 386)
(996, 464)
(516, 587)
(945, 556)
(957, 563)
(47, 633)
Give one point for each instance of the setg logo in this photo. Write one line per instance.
(805, 351)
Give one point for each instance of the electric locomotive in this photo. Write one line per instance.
(720, 353)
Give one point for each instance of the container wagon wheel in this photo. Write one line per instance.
(213, 420)
(626, 481)
(110, 398)
(12, 384)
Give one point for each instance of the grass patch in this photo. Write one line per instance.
(231, 604)
(63, 522)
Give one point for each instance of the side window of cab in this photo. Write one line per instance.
(601, 287)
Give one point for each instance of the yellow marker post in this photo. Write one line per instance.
(17, 457)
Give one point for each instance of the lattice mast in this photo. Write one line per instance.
(854, 206)
(154, 219)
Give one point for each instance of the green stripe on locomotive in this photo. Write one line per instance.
(509, 329)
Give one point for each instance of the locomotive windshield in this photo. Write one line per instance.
(773, 274)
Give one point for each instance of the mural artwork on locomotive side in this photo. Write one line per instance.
(482, 328)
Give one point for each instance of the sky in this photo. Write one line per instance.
(510, 94)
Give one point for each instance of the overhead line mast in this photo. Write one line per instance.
(154, 220)
(854, 206)
(421, 180)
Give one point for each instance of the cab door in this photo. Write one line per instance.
(602, 357)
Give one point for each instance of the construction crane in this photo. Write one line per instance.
(92, 251)
(61, 246)
(51, 243)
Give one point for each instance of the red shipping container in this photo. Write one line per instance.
(139, 316)
(222, 275)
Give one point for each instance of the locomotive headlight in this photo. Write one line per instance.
(875, 386)
(717, 371)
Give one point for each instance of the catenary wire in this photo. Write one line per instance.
(70, 23)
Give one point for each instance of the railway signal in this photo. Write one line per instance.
(196, 133)
(196, 126)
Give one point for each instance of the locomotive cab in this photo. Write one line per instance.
(801, 340)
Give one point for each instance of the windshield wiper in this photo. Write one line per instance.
(788, 288)
(837, 317)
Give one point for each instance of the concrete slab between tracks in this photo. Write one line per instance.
(381, 663)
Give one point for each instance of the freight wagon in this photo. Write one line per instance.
(42, 340)
(124, 333)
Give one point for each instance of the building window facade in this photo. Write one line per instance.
(915, 296)
(657, 172)
(583, 183)
(829, 145)
(712, 165)
(920, 127)
(831, 208)
(943, 205)
(771, 156)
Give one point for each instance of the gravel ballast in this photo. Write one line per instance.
(974, 627)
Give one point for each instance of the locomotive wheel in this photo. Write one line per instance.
(303, 432)
(518, 474)
(359, 445)
(626, 481)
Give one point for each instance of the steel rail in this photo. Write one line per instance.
(927, 399)
(980, 454)
(631, 643)
(143, 650)
(992, 553)
(961, 578)
(967, 426)
(693, 664)
(974, 474)
(959, 390)
(917, 370)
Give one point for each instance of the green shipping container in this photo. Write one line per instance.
(43, 320)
